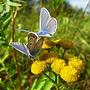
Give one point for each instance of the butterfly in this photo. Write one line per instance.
(48, 27)
(33, 46)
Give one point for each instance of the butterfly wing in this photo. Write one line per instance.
(32, 40)
(44, 18)
(23, 30)
(38, 46)
(51, 26)
(48, 25)
(21, 48)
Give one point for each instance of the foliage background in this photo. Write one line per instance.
(73, 24)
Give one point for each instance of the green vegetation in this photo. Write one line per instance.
(72, 24)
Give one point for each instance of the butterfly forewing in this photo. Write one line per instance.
(21, 48)
(44, 18)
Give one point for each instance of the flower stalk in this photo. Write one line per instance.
(14, 51)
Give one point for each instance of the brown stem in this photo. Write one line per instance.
(42, 3)
(28, 80)
(14, 51)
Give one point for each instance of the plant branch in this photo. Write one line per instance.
(14, 51)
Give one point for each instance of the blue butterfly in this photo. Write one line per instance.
(48, 27)
(32, 48)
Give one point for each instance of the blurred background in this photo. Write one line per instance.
(73, 23)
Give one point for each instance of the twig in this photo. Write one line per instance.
(28, 80)
(14, 51)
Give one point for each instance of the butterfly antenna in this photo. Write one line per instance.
(23, 30)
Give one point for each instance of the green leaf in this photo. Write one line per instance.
(6, 22)
(13, 3)
(1, 7)
(4, 16)
(88, 64)
(47, 86)
(88, 71)
(40, 83)
(34, 84)
(4, 57)
(2, 69)
(7, 8)
(43, 83)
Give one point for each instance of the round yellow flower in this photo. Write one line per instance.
(76, 63)
(57, 65)
(38, 66)
(69, 74)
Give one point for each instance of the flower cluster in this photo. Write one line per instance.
(69, 72)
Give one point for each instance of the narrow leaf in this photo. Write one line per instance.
(13, 3)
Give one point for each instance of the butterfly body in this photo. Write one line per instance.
(43, 34)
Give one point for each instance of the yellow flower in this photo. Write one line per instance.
(38, 66)
(51, 60)
(56, 41)
(47, 44)
(76, 63)
(57, 65)
(69, 74)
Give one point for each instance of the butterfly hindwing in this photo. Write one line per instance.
(52, 25)
(39, 44)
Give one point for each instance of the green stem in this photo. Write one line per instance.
(58, 80)
(49, 78)
(63, 53)
(55, 77)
